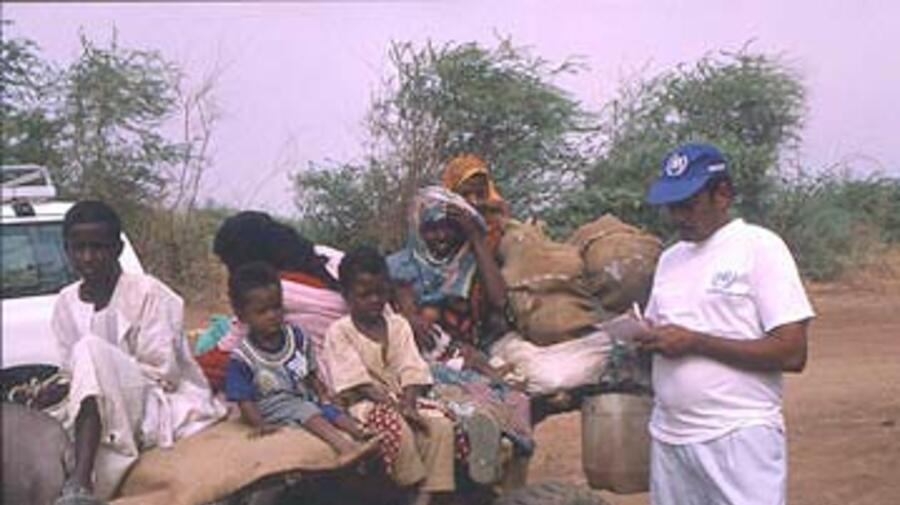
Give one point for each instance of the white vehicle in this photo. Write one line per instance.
(34, 264)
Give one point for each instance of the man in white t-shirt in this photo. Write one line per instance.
(729, 314)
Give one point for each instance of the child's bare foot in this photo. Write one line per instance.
(353, 428)
(346, 447)
(371, 444)
(360, 434)
(358, 450)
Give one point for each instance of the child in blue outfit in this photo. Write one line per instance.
(271, 374)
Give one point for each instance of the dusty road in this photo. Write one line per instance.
(843, 412)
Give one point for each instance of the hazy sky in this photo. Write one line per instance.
(298, 77)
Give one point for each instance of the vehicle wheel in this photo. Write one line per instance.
(551, 493)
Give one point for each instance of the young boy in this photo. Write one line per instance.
(134, 383)
(374, 362)
(272, 372)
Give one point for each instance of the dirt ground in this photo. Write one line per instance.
(843, 411)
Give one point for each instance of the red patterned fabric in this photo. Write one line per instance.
(213, 363)
(388, 423)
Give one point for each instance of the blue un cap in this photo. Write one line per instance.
(684, 172)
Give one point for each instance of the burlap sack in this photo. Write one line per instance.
(529, 257)
(544, 281)
(619, 261)
(219, 461)
(547, 318)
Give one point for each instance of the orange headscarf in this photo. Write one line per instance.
(465, 166)
(462, 168)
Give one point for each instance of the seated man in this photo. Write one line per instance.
(134, 384)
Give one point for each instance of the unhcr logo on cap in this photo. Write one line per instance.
(684, 171)
(676, 165)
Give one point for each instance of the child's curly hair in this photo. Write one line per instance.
(249, 276)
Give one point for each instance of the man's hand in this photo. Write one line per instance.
(782, 348)
(669, 340)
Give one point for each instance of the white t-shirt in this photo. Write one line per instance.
(739, 283)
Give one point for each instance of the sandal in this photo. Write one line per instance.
(484, 442)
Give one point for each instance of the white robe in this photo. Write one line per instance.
(133, 357)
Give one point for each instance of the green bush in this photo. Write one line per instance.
(749, 105)
(833, 221)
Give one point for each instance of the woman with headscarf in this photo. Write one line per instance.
(447, 274)
(444, 279)
(468, 176)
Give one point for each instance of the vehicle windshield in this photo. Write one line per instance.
(34, 260)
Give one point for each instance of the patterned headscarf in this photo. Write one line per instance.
(434, 279)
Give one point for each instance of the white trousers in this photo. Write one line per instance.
(135, 413)
(745, 467)
(103, 371)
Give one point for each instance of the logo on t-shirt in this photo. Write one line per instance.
(723, 279)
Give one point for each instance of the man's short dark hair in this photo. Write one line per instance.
(249, 276)
(718, 179)
(92, 211)
(361, 260)
(712, 184)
